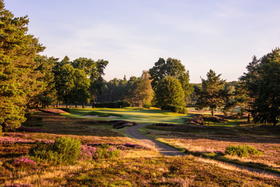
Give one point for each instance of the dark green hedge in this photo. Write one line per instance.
(118, 104)
(177, 109)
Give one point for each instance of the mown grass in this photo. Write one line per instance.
(138, 115)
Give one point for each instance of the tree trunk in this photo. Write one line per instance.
(212, 112)
(248, 118)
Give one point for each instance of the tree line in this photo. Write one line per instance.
(29, 80)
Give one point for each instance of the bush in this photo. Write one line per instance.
(64, 150)
(242, 151)
(118, 104)
(0, 130)
(177, 109)
(106, 152)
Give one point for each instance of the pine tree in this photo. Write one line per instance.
(263, 84)
(211, 93)
(17, 68)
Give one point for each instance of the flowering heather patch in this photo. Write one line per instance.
(24, 161)
(12, 140)
(87, 152)
(45, 141)
(18, 185)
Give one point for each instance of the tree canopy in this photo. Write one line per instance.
(171, 67)
(262, 81)
(211, 93)
(18, 73)
(169, 92)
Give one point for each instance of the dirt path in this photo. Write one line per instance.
(161, 147)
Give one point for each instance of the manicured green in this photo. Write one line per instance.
(137, 115)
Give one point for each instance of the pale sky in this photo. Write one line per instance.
(132, 34)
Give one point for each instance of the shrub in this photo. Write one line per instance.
(105, 152)
(63, 150)
(242, 151)
(24, 162)
(177, 109)
(87, 152)
(0, 130)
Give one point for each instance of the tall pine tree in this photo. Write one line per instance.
(18, 73)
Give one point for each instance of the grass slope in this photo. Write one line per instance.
(137, 115)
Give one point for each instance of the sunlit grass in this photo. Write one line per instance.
(137, 115)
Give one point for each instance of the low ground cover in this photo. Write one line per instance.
(98, 141)
(111, 158)
(213, 142)
(163, 171)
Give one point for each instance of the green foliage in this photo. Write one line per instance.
(142, 94)
(242, 151)
(106, 152)
(170, 92)
(64, 150)
(48, 94)
(177, 109)
(174, 68)
(18, 75)
(116, 90)
(118, 104)
(211, 93)
(263, 84)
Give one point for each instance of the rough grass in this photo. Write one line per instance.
(141, 167)
(168, 171)
(213, 141)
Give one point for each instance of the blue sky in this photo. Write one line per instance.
(132, 34)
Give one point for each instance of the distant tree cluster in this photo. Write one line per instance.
(29, 80)
(262, 83)
(257, 91)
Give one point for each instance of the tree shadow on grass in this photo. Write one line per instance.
(258, 134)
(219, 156)
(58, 124)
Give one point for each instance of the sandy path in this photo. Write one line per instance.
(161, 147)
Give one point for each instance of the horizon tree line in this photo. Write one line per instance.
(29, 80)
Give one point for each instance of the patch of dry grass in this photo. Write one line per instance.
(207, 140)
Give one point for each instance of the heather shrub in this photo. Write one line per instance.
(106, 152)
(24, 162)
(242, 151)
(64, 150)
(87, 152)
